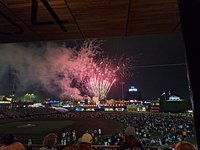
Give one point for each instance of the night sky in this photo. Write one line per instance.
(157, 64)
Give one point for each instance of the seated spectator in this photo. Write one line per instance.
(49, 142)
(184, 146)
(10, 142)
(85, 143)
(131, 142)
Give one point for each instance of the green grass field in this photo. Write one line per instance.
(34, 130)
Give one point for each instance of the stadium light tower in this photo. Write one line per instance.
(122, 83)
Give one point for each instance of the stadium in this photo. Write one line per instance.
(106, 75)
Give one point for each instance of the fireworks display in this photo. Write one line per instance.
(100, 87)
(96, 74)
(58, 70)
(101, 80)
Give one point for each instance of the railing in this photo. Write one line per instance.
(97, 147)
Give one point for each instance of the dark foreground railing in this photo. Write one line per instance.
(98, 147)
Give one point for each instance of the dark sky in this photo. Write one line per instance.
(157, 63)
(158, 66)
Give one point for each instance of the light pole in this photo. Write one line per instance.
(122, 83)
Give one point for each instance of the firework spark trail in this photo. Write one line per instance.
(54, 68)
(108, 89)
(101, 80)
(100, 88)
(86, 67)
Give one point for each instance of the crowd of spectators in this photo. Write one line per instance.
(23, 113)
(150, 128)
(10, 142)
(130, 142)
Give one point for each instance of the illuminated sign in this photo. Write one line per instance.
(54, 101)
(5, 102)
(133, 89)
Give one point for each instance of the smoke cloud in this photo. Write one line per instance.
(51, 67)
